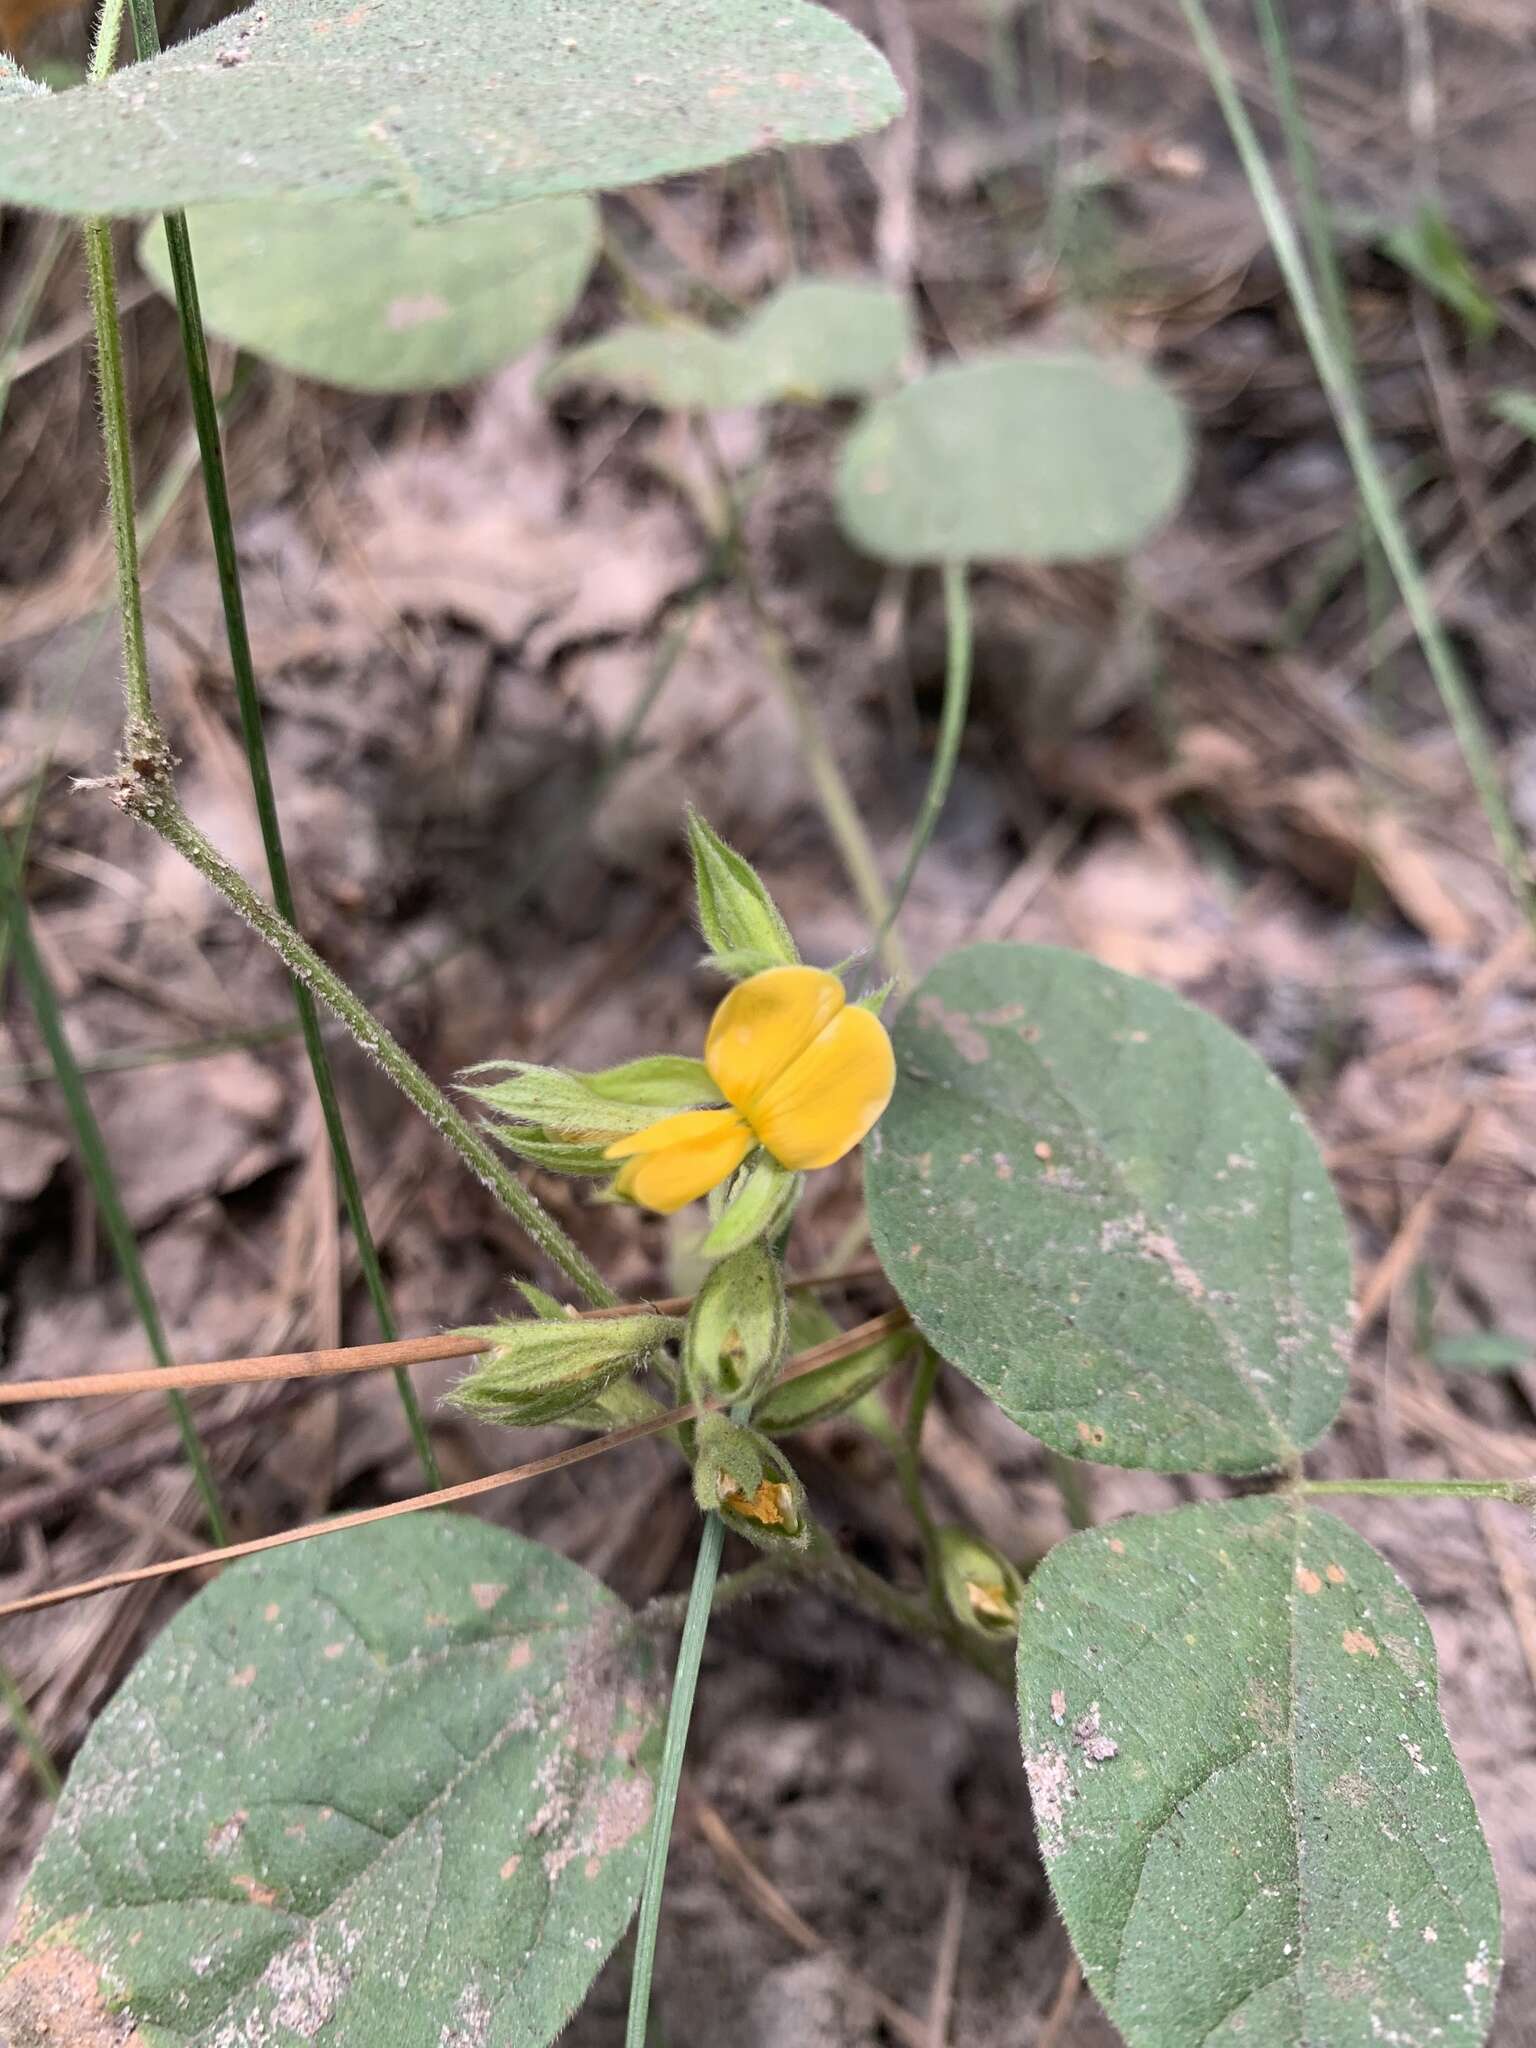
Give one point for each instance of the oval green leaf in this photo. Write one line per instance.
(496, 102)
(814, 339)
(1026, 458)
(378, 1787)
(1254, 1824)
(1103, 1208)
(365, 297)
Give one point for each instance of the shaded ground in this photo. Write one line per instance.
(1195, 771)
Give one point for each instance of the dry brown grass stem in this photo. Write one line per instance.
(470, 1489)
(308, 1365)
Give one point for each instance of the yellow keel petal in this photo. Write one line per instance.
(675, 1161)
(764, 1025)
(822, 1104)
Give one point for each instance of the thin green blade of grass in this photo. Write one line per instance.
(50, 247)
(685, 1679)
(205, 416)
(157, 509)
(625, 744)
(27, 1734)
(144, 790)
(98, 1167)
(1370, 478)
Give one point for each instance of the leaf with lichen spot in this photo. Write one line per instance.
(524, 99)
(364, 297)
(383, 1786)
(1061, 458)
(813, 339)
(1253, 1821)
(1103, 1208)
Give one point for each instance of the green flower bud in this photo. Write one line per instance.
(740, 1476)
(833, 1388)
(544, 1306)
(620, 1403)
(983, 1590)
(737, 1327)
(546, 1371)
(739, 919)
(763, 1195)
(555, 1151)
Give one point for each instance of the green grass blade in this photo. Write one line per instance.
(1461, 707)
(26, 1734)
(98, 1167)
(685, 1679)
(205, 416)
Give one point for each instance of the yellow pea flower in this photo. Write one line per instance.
(806, 1075)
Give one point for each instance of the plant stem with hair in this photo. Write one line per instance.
(205, 415)
(957, 693)
(144, 789)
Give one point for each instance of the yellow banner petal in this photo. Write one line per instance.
(826, 1100)
(763, 1027)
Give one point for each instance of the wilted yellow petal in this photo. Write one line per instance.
(773, 1504)
(676, 1160)
(764, 1025)
(824, 1101)
(989, 1601)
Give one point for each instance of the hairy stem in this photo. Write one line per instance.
(832, 1571)
(957, 694)
(1519, 1492)
(143, 788)
(109, 29)
(205, 415)
(838, 807)
(150, 799)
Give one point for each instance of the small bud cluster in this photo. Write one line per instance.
(736, 1128)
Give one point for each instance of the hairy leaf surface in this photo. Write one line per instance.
(365, 297)
(1254, 1824)
(375, 1790)
(452, 111)
(1032, 458)
(1100, 1204)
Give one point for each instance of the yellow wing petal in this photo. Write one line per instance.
(675, 1161)
(764, 1025)
(822, 1105)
